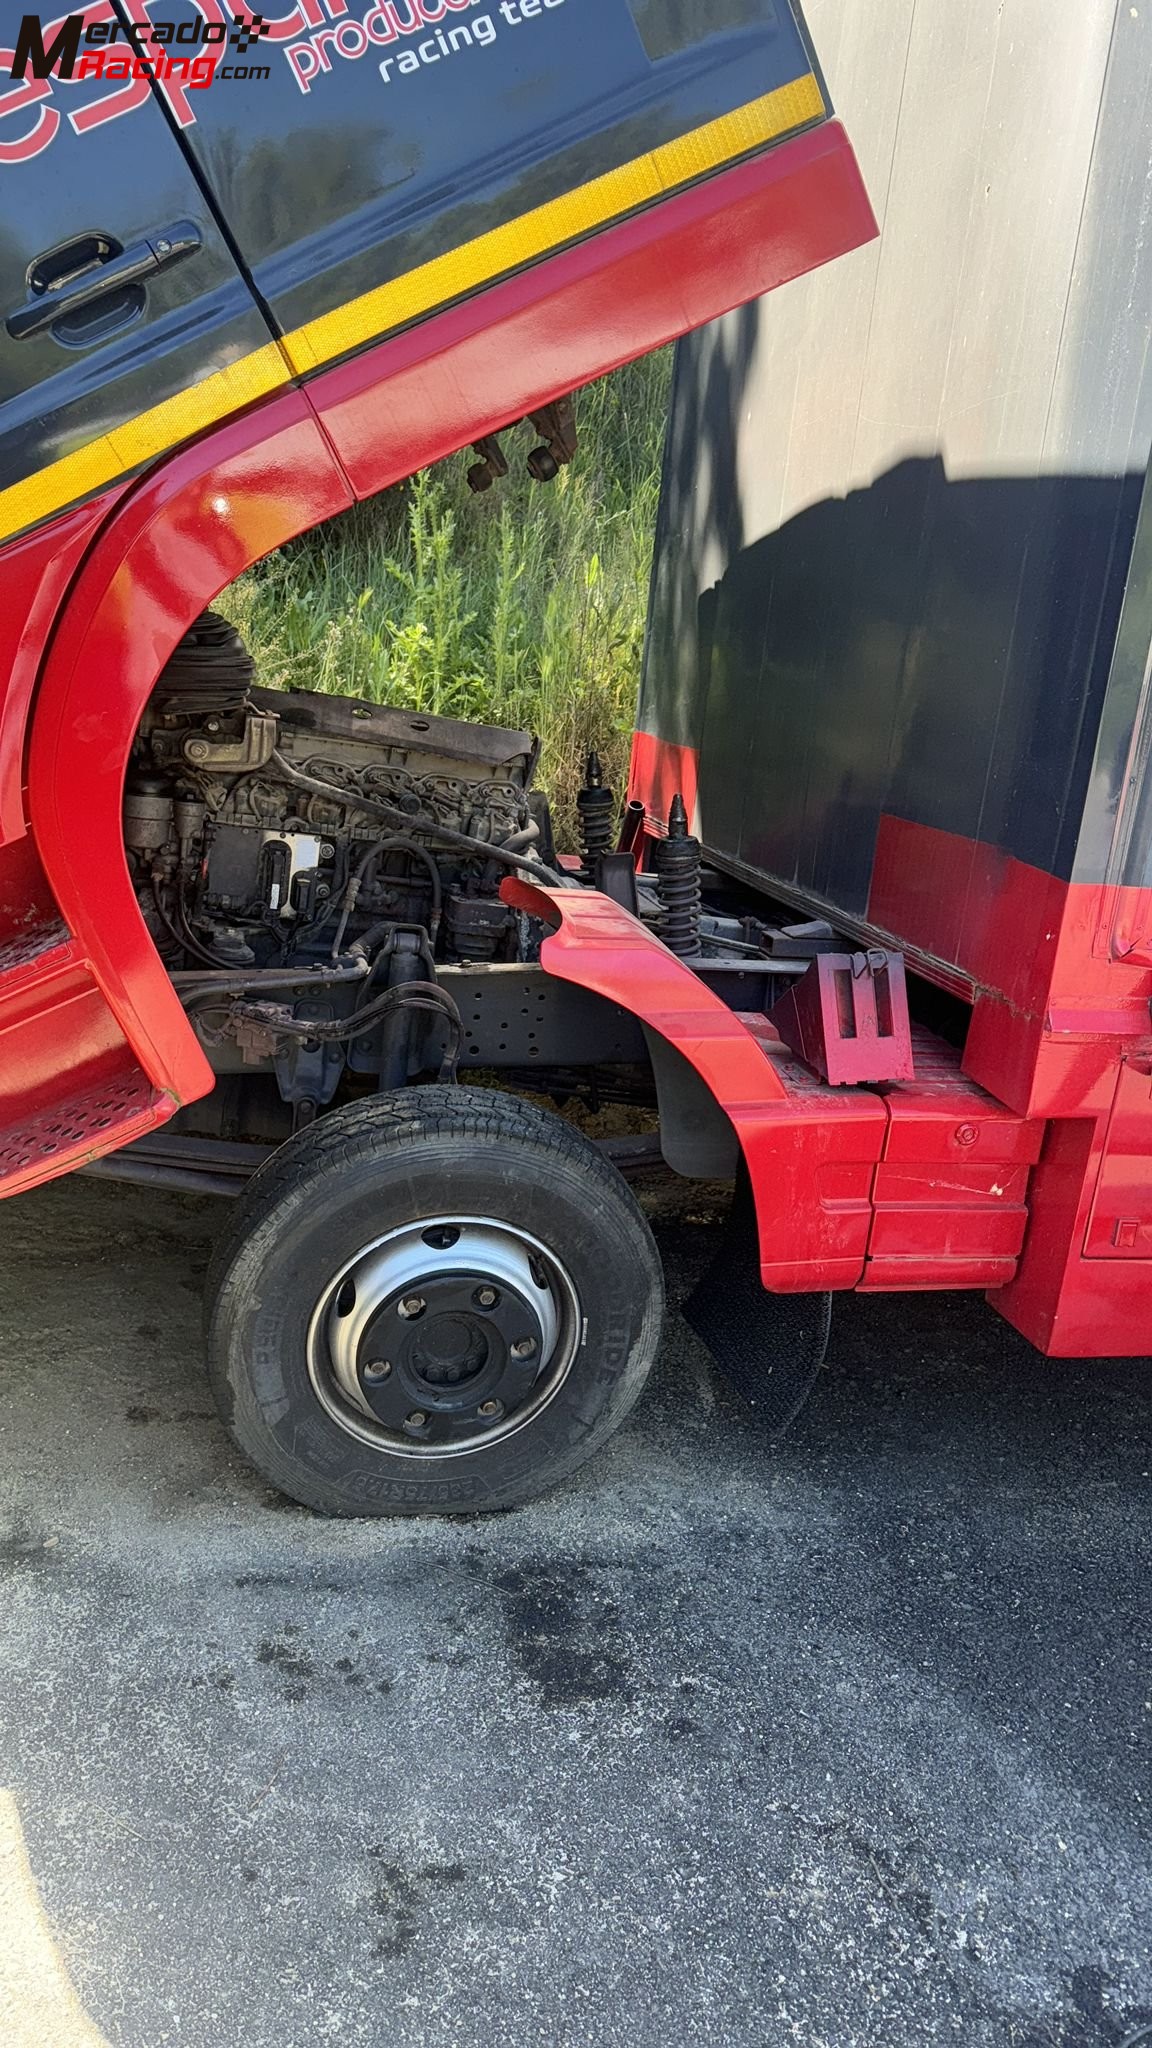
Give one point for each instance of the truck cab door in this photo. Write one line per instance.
(402, 154)
(126, 323)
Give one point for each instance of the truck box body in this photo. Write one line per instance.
(890, 629)
(898, 658)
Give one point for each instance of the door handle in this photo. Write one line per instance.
(135, 265)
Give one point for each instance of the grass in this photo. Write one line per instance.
(524, 607)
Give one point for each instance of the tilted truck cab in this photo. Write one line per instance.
(239, 927)
(254, 268)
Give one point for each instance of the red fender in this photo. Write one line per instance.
(810, 1151)
(185, 533)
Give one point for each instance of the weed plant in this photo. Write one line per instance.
(523, 607)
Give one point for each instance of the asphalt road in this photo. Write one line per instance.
(841, 1742)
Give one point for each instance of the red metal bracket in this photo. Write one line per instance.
(847, 1018)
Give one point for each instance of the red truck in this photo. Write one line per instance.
(258, 268)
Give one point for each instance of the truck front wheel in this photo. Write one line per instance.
(441, 1301)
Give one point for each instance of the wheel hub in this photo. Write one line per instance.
(443, 1336)
(450, 1351)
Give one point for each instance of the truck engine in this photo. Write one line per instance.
(324, 852)
(321, 878)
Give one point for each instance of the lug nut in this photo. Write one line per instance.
(416, 1420)
(378, 1370)
(489, 1409)
(412, 1305)
(524, 1348)
(486, 1297)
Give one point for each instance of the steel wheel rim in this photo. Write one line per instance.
(405, 1351)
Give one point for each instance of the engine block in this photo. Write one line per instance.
(239, 862)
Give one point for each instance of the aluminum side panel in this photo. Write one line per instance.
(900, 497)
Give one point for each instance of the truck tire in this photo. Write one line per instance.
(441, 1301)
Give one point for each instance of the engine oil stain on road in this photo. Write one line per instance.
(565, 1634)
(285, 1654)
(400, 1897)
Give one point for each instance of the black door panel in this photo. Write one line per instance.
(125, 321)
(394, 135)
